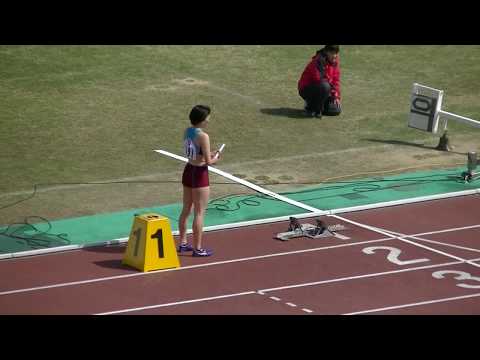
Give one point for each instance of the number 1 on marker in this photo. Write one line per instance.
(159, 236)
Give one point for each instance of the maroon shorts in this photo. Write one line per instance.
(195, 176)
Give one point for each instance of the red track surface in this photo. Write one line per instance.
(251, 273)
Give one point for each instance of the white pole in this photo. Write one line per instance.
(310, 208)
(249, 184)
(459, 118)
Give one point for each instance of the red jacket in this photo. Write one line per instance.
(331, 73)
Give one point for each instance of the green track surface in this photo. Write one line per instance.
(89, 230)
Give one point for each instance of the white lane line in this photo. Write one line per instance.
(108, 278)
(177, 303)
(448, 230)
(441, 243)
(415, 304)
(83, 282)
(363, 276)
(341, 237)
(307, 310)
(286, 287)
(287, 303)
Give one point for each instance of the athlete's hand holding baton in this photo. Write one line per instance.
(219, 151)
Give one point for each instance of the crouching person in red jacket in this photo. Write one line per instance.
(319, 84)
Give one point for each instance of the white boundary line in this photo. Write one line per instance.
(356, 277)
(416, 237)
(283, 288)
(82, 282)
(407, 201)
(415, 304)
(178, 303)
(448, 230)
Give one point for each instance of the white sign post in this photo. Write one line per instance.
(426, 110)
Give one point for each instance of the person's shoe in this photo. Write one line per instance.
(184, 248)
(318, 115)
(202, 252)
(309, 113)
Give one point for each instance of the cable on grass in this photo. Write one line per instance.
(39, 239)
(324, 181)
(224, 203)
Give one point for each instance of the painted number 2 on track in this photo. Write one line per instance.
(393, 257)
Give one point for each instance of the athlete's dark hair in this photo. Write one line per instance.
(199, 113)
(332, 48)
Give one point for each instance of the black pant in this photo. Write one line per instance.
(319, 100)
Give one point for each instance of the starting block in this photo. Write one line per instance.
(151, 245)
(320, 230)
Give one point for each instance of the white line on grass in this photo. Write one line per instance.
(355, 150)
(415, 304)
(230, 92)
(176, 173)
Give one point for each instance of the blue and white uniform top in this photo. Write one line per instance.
(191, 148)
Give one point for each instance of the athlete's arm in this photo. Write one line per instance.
(204, 142)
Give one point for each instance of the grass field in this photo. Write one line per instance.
(73, 114)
